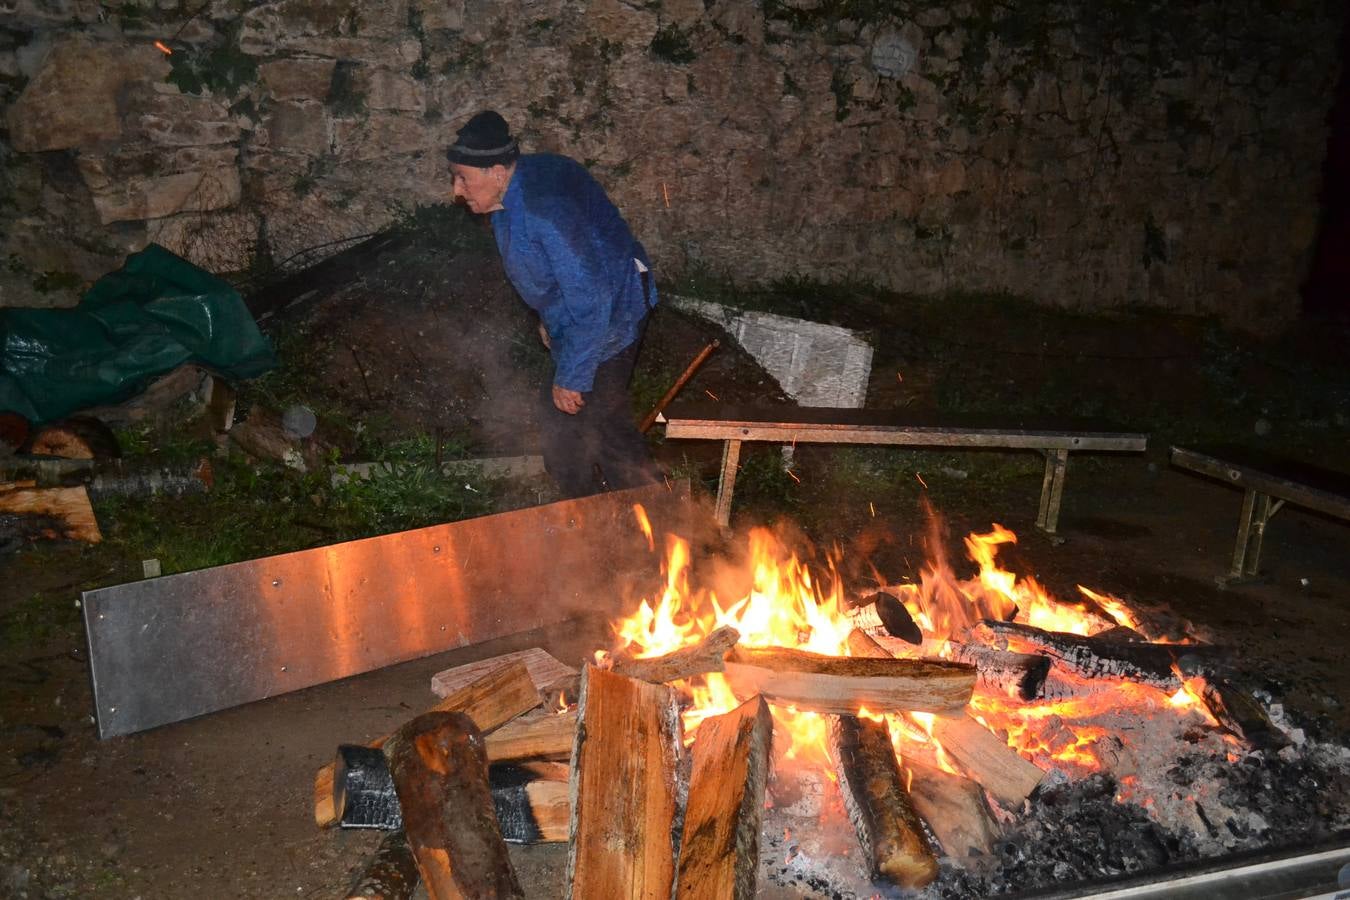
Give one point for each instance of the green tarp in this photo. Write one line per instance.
(156, 313)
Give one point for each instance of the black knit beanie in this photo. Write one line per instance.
(483, 142)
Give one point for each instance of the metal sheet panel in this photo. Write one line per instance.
(170, 648)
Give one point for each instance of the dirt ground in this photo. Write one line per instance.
(220, 805)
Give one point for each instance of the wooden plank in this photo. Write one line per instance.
(1313, 487)
(544, 670)
(68, 507)
(719, 851)
(623, 788)
(871, 426)
(441, 775)
(843, 685)
(496, 697)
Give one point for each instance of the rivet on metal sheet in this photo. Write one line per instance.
(276, 582)
(435, 549)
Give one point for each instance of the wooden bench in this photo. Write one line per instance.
(1268, 482)
(734, 425)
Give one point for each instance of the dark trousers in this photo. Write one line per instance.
(599, 448)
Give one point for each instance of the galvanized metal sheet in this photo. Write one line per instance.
(170, 648)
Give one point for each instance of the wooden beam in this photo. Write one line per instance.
(719, 852)
(391, 874)
(623, 785)
(543, 734)
(842, 684)
(877, 803)
(954, 808)
(496, 697)
(441, 775)
(708, 655)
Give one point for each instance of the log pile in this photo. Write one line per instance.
(505, 757)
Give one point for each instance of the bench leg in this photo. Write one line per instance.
(726, 484)
(1052, 490)
(1257, 509)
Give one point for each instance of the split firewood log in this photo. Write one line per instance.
(954, 808)
(708, 655)
(877, 803)
(719, 852)
(440, 771)
(1000, 769)
(544, 669)
(391, 874)
(623, 784)
(496, 697)
(844, 684)
(1238, 711)
(542, 734)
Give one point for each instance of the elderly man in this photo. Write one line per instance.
(574, 261)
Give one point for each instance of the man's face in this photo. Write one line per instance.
(481, 189)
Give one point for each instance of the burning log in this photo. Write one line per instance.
(888, 828)
(544, 669)
(954, 808)
(844, 684)
(441, 774)
(496, 697)
(530, 810)
(623, 785)
(886, 613)
(1002, 772)
(719, 854)
(391, 873)
(995, 765)
(1012, 674)
(1238, 711)
(1151, 664)
(708, 655)
(541, 735)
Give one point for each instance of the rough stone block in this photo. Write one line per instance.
(297, 79)
(816, 364)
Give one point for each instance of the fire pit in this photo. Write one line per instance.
(758, 727)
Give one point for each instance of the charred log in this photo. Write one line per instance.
(1151, 664)
(497, 697)
(878, 805)
(1012, 674)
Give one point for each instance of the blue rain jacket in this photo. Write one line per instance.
(572, 258)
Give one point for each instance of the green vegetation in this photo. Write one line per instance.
(222, 69)
(672, 44)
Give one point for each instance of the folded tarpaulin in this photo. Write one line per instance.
(156, 313)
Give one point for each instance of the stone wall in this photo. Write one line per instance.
(1093, 155)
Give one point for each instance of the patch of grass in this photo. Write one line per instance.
(40, 616)
(222, 69)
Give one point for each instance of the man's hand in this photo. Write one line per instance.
(544, 338)
(569, 402)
